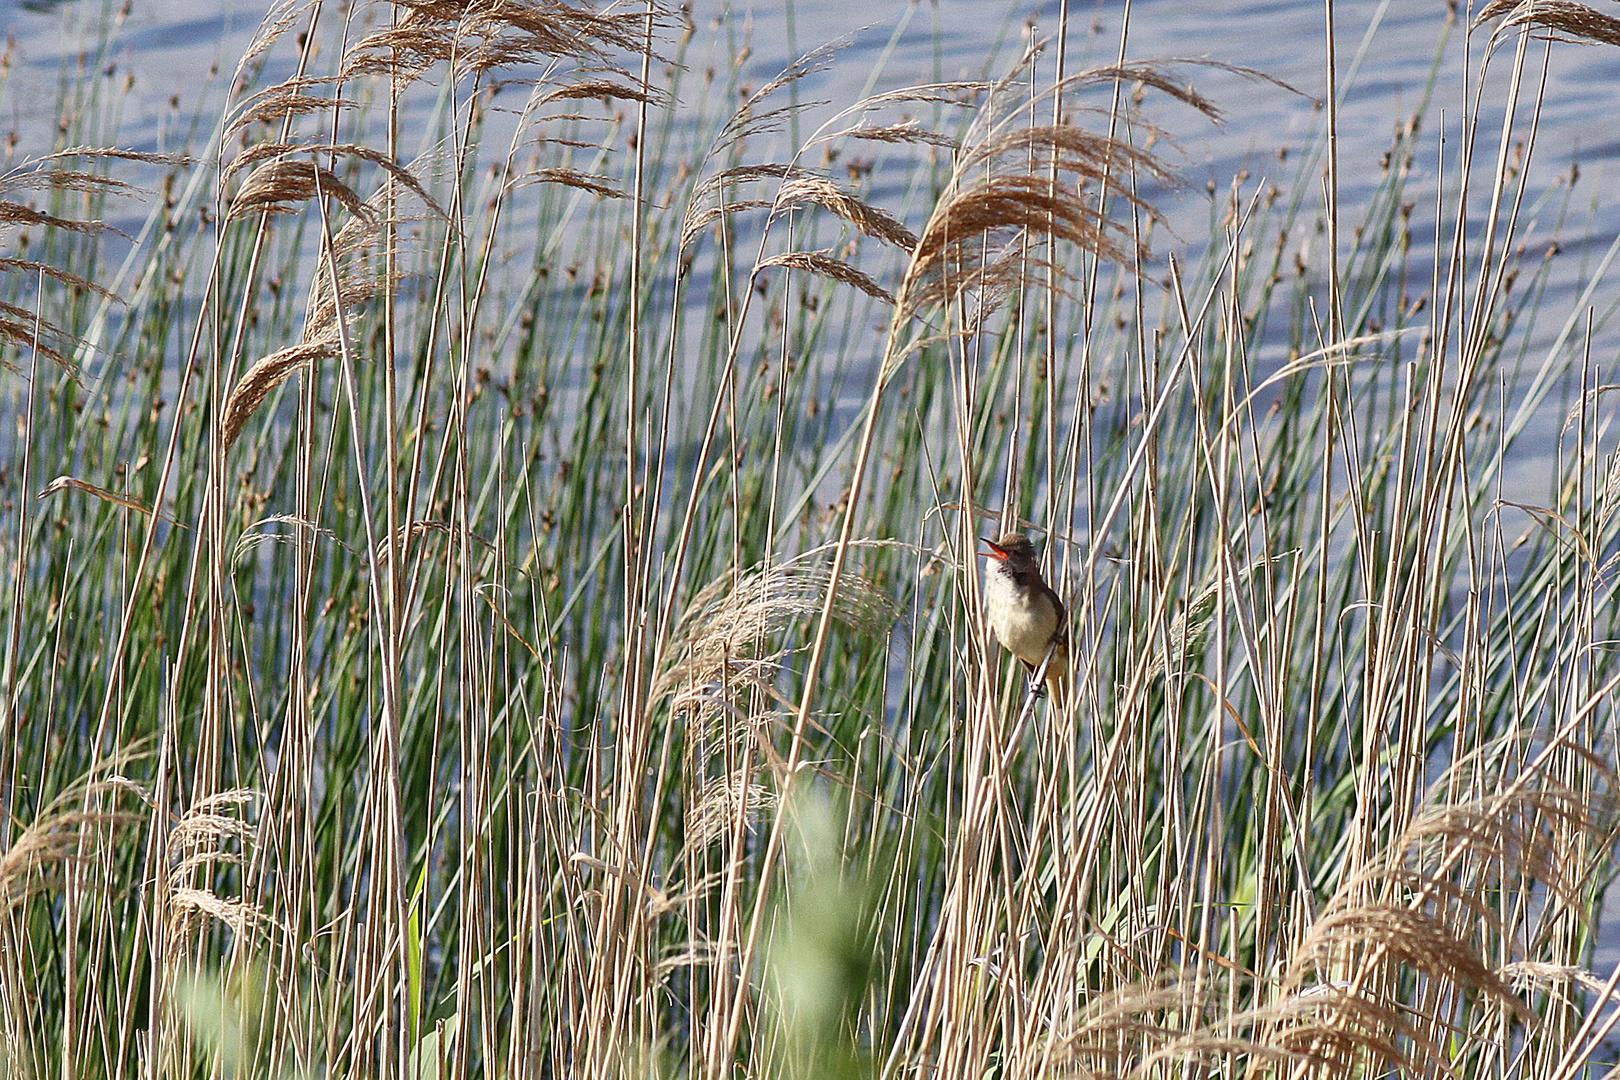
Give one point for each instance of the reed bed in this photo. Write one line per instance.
(497, 595)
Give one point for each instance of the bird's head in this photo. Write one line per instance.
(1013, 548)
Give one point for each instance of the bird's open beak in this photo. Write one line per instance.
(996, 550)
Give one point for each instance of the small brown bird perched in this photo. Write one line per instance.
(1025, 614)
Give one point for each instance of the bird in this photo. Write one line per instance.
(1025, 614)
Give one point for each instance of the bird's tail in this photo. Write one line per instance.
(1057, 685)
(1057, 674)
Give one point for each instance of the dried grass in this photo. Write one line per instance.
(62, 277)
(63, 837)
(277, 21)
(604, 90)
(827, 265)
(751, 121)
(29, 331)
(190, 911)
(1382, 980)
(362, 274)
(283, 102)
(406, 536)
(1118, 1023)
(260, 380)
(253, 535)
(399, 173)
(1423, 909)
(41, 174)
(1021, 200)
(963, 93)
(1346, 941)
(1343, 1034)
(603, 186)
(909, 132)
(801, 188)
(476, 36)
(17, 214)
(276, 186)
(1365, 990)
(722, 645)
(699, 214)
(1564, 19)
(1014, 182)
(733, 616)
(699, 219)
(204, 837)
(724, 802)
(1141, 1030)
(65, 483)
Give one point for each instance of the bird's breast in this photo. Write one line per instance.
(1023, 621)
